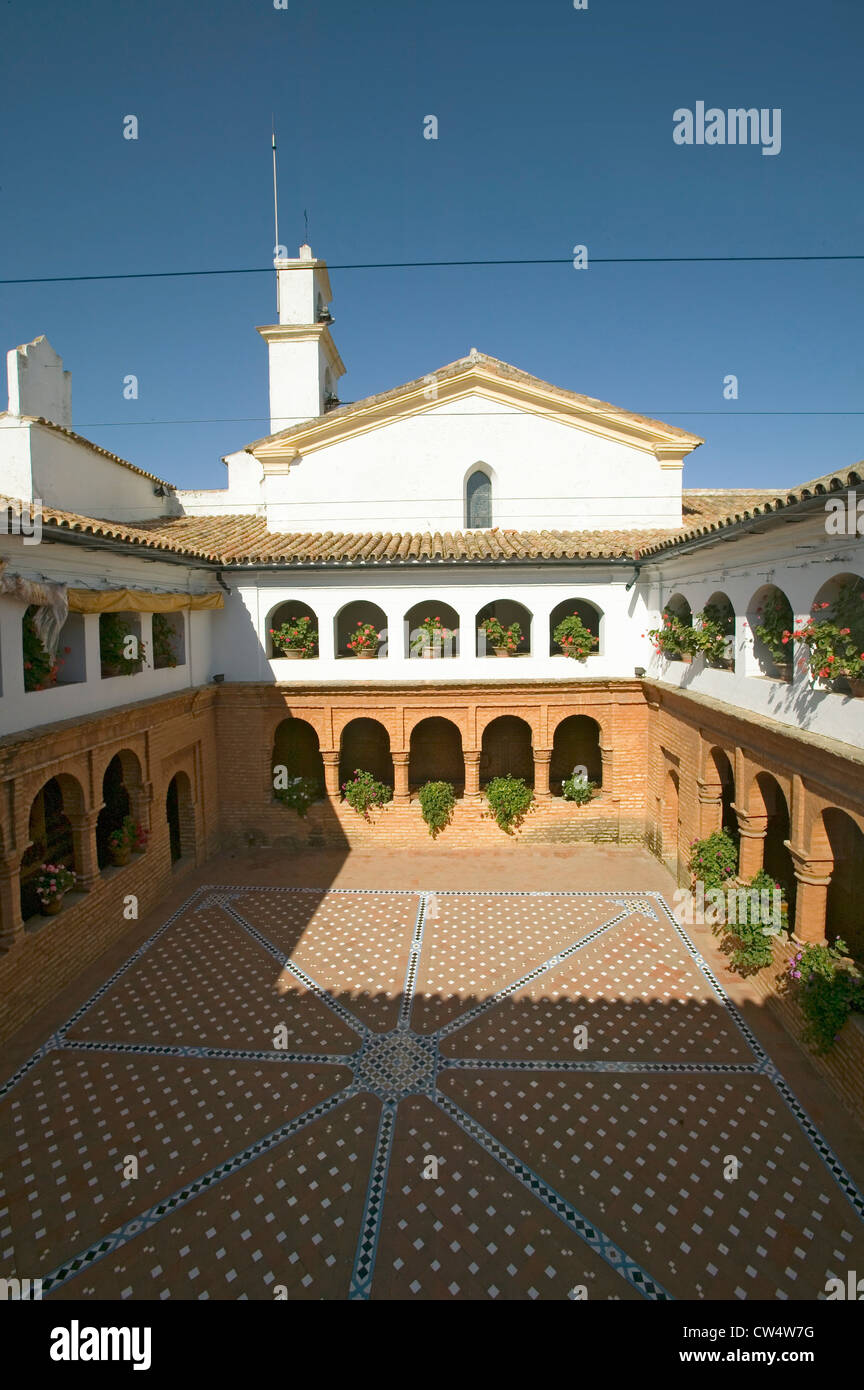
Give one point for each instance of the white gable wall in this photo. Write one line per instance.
(410, 475)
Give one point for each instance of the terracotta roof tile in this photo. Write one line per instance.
(236, 540)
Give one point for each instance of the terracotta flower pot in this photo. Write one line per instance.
(120, 856)
(429, 653)
(50, 909)
(367, 654)
(503, 651)
(686, 657)
(292, 654)
(856, 686)
(784, 670)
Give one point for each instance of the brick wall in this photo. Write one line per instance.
(221, 739)
(173, 734)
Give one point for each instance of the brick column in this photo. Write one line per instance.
(752, 848)
(811, 902)
(542, 763)
(400, 779)
(710, 810)
(472, 776)
(813, 877)
(607, 770)
(140, 804)
(84, 841)
(12, 929)
(331, 775)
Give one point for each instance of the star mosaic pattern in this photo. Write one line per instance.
(360, 1094)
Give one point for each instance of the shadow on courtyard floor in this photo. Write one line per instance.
(556, 1098)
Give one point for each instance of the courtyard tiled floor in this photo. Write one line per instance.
(398, 1094)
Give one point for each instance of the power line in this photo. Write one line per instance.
(415, 265)
(450, 414)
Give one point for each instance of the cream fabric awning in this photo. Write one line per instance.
(137, 601)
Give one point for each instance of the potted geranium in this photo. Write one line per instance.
(429, 639)
(674, 639)
(774, 631)
(120, 846)
(836, 639)
(503, 640)
(52, 882)
(574, 638)
(714, 637)
(295, 640)
(40, 669)
(136, 835)
(364, 641)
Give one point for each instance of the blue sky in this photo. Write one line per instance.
(555, 128)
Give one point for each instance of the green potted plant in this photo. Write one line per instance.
(115, 647)
(830, 987)
(437, 800)
(363, 792)
(136, 834)
(578, 789)
(509, 799)
(573, 637)
(40, 669)
(835, 639)
(295, 640)
(120, 846)
(675, 638)
(428, 641)
(502, 640)
(713, 860)
(298, 794)
(714, 638)
(163, 642)
(52, 882)
(774, 631)
(364, 641)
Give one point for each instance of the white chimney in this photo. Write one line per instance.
(38, 384)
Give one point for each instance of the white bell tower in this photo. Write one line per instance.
(304, 365)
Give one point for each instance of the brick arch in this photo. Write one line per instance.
(717, 786)
(529, 715)
(180, 812)
(120, 797)
(577, 743)
(459, 717)
(601, 718)
(50, 835)
(838, 840)
(297, 747)
(436, 753)
(388, 719)
(315, 718)
(507, 747)
(818, 840)
(76, 771)
(769, 809)
(365, 743)
(757, 787)
(132, 760)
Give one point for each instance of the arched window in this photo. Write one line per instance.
(478, 500)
